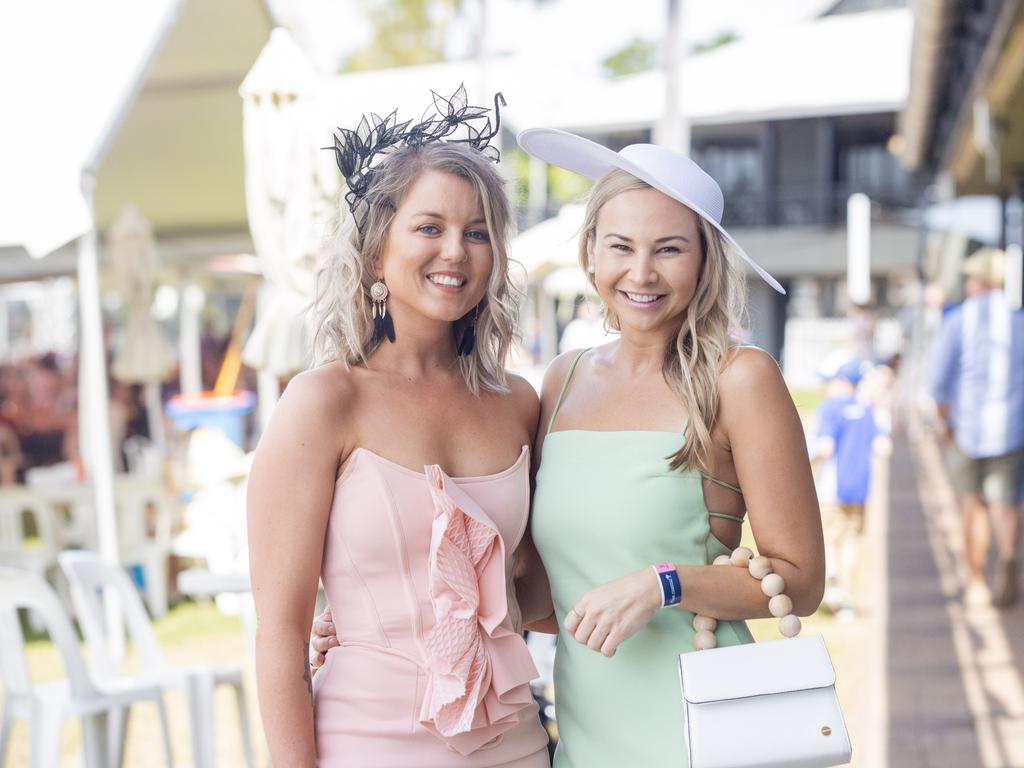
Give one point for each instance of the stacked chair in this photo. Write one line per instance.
(89, 577)
(46, 706)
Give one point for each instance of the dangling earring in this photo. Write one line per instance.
(469, 334)
(382, 325)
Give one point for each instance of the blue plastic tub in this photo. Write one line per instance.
(226, 413)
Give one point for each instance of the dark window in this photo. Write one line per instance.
(870, 168)
(738, 171)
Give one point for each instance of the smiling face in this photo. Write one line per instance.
(437, 258)
(646, 255)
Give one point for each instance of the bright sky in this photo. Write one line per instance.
(580, 32)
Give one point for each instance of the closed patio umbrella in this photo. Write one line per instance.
(143, 355)
(285, 199)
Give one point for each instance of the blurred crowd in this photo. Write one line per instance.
(39, 417)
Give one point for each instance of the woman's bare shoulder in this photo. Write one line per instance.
(525, 400)
(751, 389)
(320, 400)
(556, 372)
(746, 366)
(327, 386)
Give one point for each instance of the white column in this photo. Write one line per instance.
(673, 131)
(190, 337)
(858, 248)
(94, 443)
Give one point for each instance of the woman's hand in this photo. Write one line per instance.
(607, 616)
(323, 637)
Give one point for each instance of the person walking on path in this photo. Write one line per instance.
(848, 433)
(978, 385)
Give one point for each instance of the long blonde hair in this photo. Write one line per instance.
(694, 359)
(342, 308)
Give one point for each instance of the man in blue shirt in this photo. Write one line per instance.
(978, 385)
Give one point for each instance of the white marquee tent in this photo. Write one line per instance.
(120, 101)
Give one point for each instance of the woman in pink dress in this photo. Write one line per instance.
(398, 472)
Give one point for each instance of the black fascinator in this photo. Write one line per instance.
(357, 151)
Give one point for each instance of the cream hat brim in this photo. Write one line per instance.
(668, 172)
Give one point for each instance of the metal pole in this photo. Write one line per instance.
(190, 306)
(858, 248)
(96, 406)
(674, 129)
(97, 441)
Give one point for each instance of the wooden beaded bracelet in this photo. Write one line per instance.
(773, 586)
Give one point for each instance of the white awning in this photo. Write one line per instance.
(71, 70)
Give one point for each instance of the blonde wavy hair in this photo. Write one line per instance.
(342, 308)
(696, 355)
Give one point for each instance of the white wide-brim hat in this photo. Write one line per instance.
(668, 172)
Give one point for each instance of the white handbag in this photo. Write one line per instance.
(763, 705)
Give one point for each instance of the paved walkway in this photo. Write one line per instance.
(952, 678)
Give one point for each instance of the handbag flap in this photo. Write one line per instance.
(755, 669)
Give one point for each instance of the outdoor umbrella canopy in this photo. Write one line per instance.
(550, 244)
(143, 354)
(287, 201)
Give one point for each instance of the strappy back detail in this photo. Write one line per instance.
(722, 483)
(565, 386)
(726, 516)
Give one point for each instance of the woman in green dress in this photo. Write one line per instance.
(644, 446)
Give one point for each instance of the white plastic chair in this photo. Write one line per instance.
(88, 577)
(45, 706)
(15, 502)
(140, 543)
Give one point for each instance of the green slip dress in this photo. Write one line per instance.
(605, 505)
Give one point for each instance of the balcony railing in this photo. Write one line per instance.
(804, 205)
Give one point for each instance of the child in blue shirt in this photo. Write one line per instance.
(847, 434)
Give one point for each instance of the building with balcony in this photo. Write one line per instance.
(790, 124)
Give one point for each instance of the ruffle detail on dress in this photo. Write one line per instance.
(478, 667)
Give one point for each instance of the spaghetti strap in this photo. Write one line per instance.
(565, 386)
(726, 516)
(722, 483)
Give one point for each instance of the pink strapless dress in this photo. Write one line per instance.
(431, 671)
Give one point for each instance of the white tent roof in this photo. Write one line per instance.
(844, 64)
(79, 65)
(143, 93)
(344, 99)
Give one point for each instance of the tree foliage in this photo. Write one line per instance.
(641, 54)
(638, 55)
(405, 33)
(722, 38)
